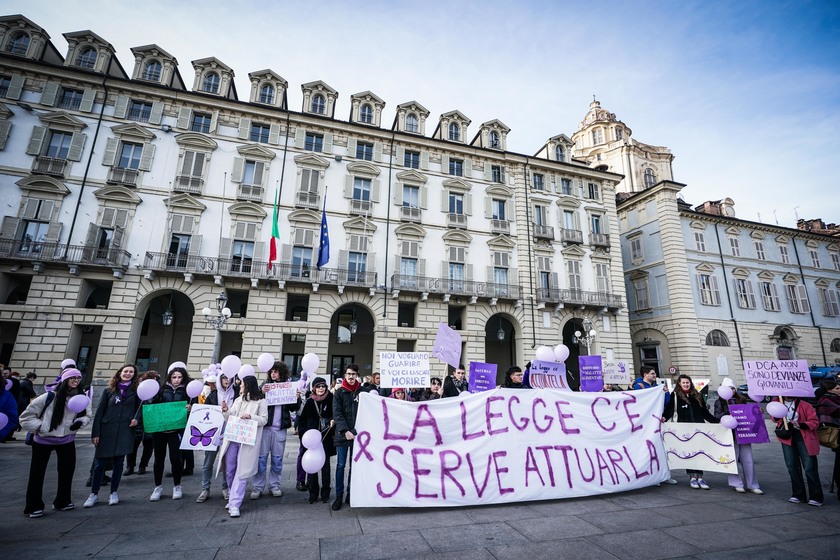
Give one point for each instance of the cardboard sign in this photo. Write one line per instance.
(482, 377)
(203, 427)
(591, 377)
(779, 378)
(702, 447)
(616, 373)
(280, 393)
(164, 417)
(751, 427)
(547, 375)
(406, 370)
(240, 430)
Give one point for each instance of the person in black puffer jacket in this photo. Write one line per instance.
(690, 407)
(317, 414)
(345, 407)
(173, 390)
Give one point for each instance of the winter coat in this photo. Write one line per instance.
(27, 393)
(31, 422)
(9, 407)
(249, 455)
(808, 424)
(168, 394)
(111, 423)
(828, 409)
(345, 407)
(310, 417)
(689, 410)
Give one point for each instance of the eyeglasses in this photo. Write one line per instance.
(320, 386)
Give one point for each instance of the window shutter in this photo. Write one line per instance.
(92, 232)
(195, 245)
(146, 157)
(45, 213)
(371, 262)
(300, 137)
(285, 254)
(400, 156)
(184, 116)
(251, 231)
(513, 277)
(424, 159)
(225, 248)
(177, 220)
(10, 227)
(259, 168)
(328, 142)
(5, 128)
(348, 186)
(274, 134)
(157, 113)
(715, 291)
(119, 233)
(424, 196)
(88, 97)
(444, 269)
(421, 267)
(468, 273)
(214, 121)
(259, 249)
(49, 94)
(468, 168)
(342, 259)
(377, 151)
(76, 146)
(488, 173)
(244, 128)
(351, 147)
(444, 201)
(36, 140)
(30, 209)
(121, 220)
(15, 87)
(444, 164)
(398, 194)
(239, 230)
(238, 170)
(110, 156)
(108, 215)
(53, 232)
(468, 204)
(374, 190)
(121, 106)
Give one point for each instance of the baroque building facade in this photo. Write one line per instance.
(132, 199)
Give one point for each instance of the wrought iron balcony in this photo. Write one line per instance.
(454, 220)
(571, 235)
(360, 207)
(500, 226)
(188, 184)
(253, 193)
(307, 200)
(579, 297)
(410, 214)
(120, 176)
(49, 252)
(71, 103)
(599, 239)
(454, 287)
(140, 114)
(543, 232)
(49, 166)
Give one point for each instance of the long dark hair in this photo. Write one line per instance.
(186, 376)
(281, 368)
(250, 389)
(692, 392)
(112, 384)
(62, 393)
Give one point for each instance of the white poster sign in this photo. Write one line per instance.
(616, 373)
(506, 445)
(240, 430)
(702, 447)
(406, 370)
(203, 426)
(280, 393)
(547, 375)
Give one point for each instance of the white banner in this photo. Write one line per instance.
(203, 426)
(701, 447)
(405, 370)
(506, 445)
(239, 430)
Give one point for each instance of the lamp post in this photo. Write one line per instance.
(587, 337)
(217, 320)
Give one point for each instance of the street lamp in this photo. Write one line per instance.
(217, 320)
(500, 334)
(587, 337)
(353, 326)
(168, 316)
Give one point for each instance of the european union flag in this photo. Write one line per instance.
(324, 247)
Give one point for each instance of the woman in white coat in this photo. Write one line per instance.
(240, 460)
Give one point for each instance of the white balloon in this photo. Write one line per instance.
(725, 392)
(148, 389)
(561, 352)
(728, 421)
(313, 460)
(194, 388)
(776, 409)
(231, 365)
(310, 362)
(246, 370)
(545, 354)
(265, 362)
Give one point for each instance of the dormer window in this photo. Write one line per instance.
(650, 178)
(210, 83)
(559, 153)
(151, 73)
(619, 134)
(267, 94)
(18, 43)
(494, 140)
(366, 114)
(86, 58)
(454, 132)
(411, 123)
(319, 104)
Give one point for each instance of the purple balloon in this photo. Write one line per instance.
(777, 409)
(311, 439)
(313, 460)
(728, 421)
(725, 392)
(8, 384)
(4, 420)
(78, 403)
(148, 389)
(194, 388)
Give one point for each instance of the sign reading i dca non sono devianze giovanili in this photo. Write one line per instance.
(406, 370)
(778, 378)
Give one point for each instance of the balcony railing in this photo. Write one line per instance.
(253, 193)
(122, 176)
(142, 114)
(307, 200)
(188, 184)
(49, 166)
(454, 287)
(500, 226)
(599, 239)
(578, 297)
(571, 236)
(360, 207)
(410, 214)
(543, 232)
(454, 220)
(71, 103)
(62, 253)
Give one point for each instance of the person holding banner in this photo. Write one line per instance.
(345, 407)
(800, 448)
(174, 390)
(222, 393)
(113, 430)
(317, 414)
(455, 384)
(689, 406)
(273, 442)
(240, 460)
(54, 426)
(743, 451)
(828, 411)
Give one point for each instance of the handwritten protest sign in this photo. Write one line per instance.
(280, 393)
(482, 377)
(505, 445)
(404, 369)
(203, 426)
(616, 373)
(784, 378)
(702, 447)
(164, 416)
(591, 378)
(239, 430)
(547, 375)
(751, 427)
(447, 345)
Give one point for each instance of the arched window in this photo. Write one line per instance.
(494, 139)
(86, 58)
(211, 83)
(411, 123)
(319, 104)
(717, 338)
(598, 136)
(366, 114)
(267, 94)
(650, 177)
(560, 153)
(18, 43)
(454, 131)
(835, 345)
(619, 134)
(151, 73)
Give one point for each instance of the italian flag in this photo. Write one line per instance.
(275, 233)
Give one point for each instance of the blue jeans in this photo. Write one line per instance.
(207, 470)
(99, 473)
(796, 459)
(340, 463)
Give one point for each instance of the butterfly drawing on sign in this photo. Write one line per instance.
(205, 438)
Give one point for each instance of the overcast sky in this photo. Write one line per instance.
(746, 94)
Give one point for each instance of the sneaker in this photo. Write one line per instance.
(202, 497)
(155, 497)
(702, 484)
(301, 487)
(128, 471)
(72, 506)
(740, 489)
(695, 484)
(758, 491)
(177, 493)
(113, 499)
(233, 511)
(671, 481)
(36, 513)
(225, 493)
(255, 495)
(141, 470)
(276, 492)
(795, 500)
(814, 503)
(91, 501)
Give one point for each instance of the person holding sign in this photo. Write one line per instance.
(689, 406)
(222, 393)
(345, 407)
(273, 442)
(240, 460)
(800, 447)
(173, 390)
(828, 411)
(113, 430)
(743, 451)
(317, 414)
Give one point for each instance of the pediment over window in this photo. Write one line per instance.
(256, 151)
(696, 224)
(811, 244)
(319, 98)
(740, 272)
(62, 120)
(268, 75)
(822, 283)
(570, 203)
(155, 65)
(492, 134)
(37, 39)
(43, 184)
(573, 251)
(196, 140)
(268, 87)
(184, 202)
(501, 241)
(732, 230)
(453, 237)
(5, 112)
(222, 85)
(766, 276)
(457, 185)
(304, 217)
(499, 191)
(86, 49)
(360, 223)
(410, 231)
(541, 199)
(414, 106)
(133, 130)
(362, 168)
(366, 108)
(247, 210)
(790, 279)
(311, 160)
(782, 240)
(705, 268)
(757, 235)
(638, 274)
(833, 247)
(120, 194)
(412, 177)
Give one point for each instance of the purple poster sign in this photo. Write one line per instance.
(482, 377)
(447, 345)
(779, 378)
(591, 374)
(751, 428)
